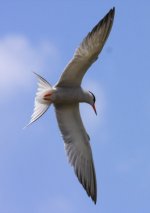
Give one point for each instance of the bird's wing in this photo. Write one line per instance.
(87, 53)
(77, 146)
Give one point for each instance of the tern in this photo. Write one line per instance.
(67, 94)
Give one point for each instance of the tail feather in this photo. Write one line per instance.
(42, 83)
(39, 107)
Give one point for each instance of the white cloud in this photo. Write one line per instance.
(18, 57)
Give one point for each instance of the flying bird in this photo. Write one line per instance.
(66, 95)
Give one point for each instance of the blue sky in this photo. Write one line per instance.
(42, 36)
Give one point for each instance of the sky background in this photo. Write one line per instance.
(41, 36)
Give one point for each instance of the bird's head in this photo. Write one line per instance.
(93, 100)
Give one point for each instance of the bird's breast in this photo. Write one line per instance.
(68, 95)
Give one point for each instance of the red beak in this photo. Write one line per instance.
(94, 109)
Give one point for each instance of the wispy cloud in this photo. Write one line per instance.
(18, 57)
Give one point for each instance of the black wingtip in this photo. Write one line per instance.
(94, 200)
(111, 12)
(113, 9)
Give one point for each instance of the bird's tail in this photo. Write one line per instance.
(42, 99)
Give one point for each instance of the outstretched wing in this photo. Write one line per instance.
(87, 53)
(77, 146)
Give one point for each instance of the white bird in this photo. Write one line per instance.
(66, 95)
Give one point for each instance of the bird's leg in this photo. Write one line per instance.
(47, 96)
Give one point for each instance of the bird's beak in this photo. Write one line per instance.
(94, 107)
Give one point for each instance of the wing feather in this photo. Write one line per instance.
(77, 146)
(87, 53)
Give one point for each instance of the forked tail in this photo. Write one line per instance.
(41, 105)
